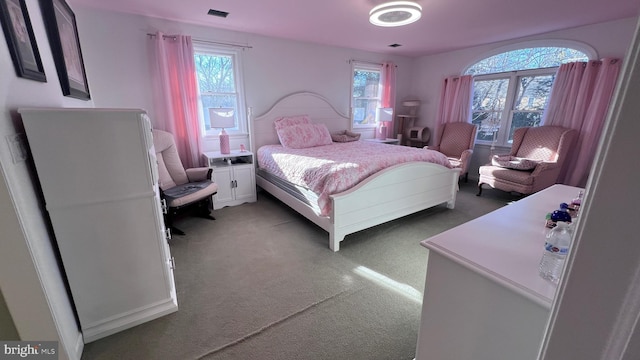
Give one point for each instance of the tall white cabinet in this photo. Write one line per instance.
(98, 173)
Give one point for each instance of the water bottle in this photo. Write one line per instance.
(555, 251)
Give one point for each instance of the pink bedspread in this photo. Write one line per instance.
(331, 169)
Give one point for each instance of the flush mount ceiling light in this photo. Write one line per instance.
(395, 13)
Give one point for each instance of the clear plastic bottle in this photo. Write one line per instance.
(555, 251)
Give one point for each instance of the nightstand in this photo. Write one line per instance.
(235, 175)
(391, 141)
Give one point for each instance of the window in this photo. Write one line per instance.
(366, 94)
(219, 84)
(512, 89)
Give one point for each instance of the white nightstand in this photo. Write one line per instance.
(235, 175)
(385, 141)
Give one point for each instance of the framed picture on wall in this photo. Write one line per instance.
(20, 39)
(62, 31)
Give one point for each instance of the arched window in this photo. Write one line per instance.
(511, 89)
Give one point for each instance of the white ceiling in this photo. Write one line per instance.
(445, 24)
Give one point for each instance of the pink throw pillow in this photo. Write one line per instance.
(291, 121)
(304, 136)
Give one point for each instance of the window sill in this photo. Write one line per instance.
(367, 126)
(210, 136)
(489, 146)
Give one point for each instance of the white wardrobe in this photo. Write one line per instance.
(98, 173)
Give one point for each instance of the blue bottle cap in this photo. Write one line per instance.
(561, 214)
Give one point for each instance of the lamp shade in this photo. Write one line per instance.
(384, 114)
(411, 103)
(222, 117)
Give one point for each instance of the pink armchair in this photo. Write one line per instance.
(456, 141)
(545, 148)
(183, 190)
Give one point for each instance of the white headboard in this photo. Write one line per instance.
(315, 106)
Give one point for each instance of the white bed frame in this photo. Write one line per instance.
(387, 195)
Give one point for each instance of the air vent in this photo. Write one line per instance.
(395, 45)
(218, 13)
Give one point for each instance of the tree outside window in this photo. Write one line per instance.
(217, 72)
(512, 89)
(366, 94)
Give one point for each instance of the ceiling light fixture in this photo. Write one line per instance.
(395, 13)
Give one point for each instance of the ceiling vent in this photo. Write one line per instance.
(222, 14)
(395, 45)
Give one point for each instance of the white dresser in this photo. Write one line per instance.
(484, 299)
(98, 173)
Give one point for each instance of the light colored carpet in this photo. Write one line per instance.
(260, 282)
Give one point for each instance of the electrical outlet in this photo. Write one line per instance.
(18, 147)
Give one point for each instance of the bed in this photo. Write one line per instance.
(386, 195)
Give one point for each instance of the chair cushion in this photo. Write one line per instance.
(501, 173)
(190, 192)
(512, 162)
(170, 169)
(540, 143)
(455, 138)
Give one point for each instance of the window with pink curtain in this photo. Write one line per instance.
(175, 94)
(511, 89)
(388, 81)
(580, 100)
(455, 100)
(373, 87)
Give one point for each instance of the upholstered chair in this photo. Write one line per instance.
(182, 189)
(534, 163)
(456, 141)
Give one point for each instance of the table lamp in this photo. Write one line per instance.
(223, 118)
(384, 116)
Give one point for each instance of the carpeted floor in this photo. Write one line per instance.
(261, 283)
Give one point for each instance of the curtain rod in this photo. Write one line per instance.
(367, 62)
(364, 62)
(173, 37)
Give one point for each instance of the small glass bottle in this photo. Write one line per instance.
(576, 203)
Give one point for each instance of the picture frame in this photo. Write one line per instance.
(62, 31)
(21, 41)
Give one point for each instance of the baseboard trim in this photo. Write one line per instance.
(128, 320)
(78, 348)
